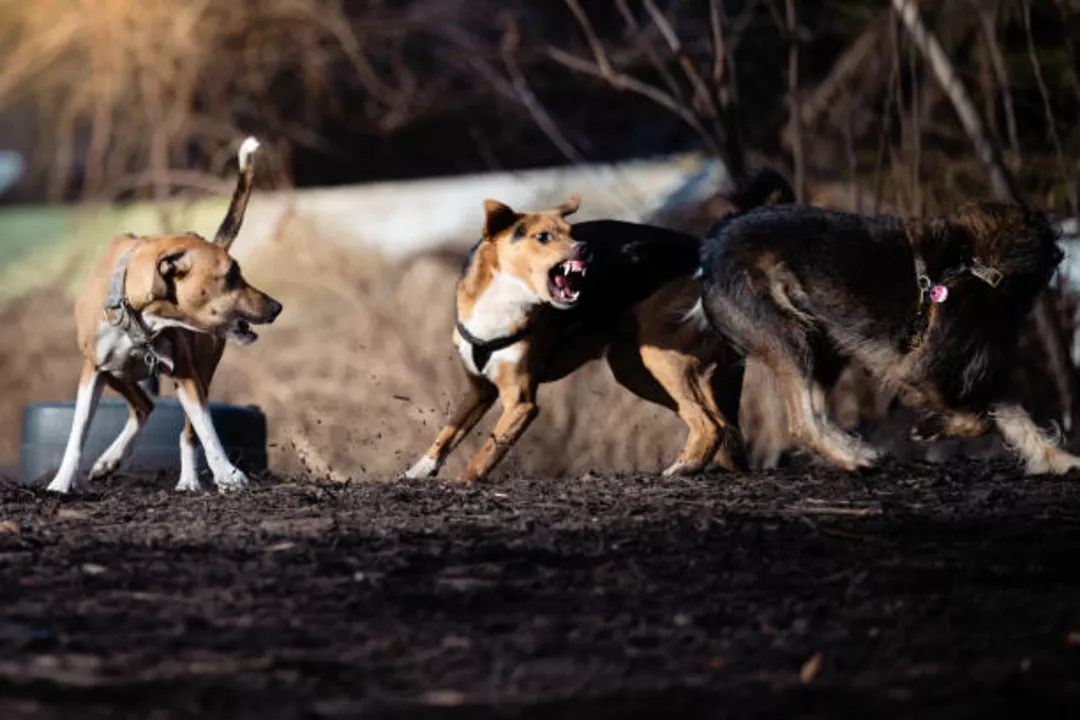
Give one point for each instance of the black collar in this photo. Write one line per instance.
(932, 294)
(119, 313)
(482, 350)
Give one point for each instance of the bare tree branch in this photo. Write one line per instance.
(1000, 179)
(884, 144)
(1051, 123)
(987, 18)
(603, 69)
(508, 46)
(795, 115)
(717, 29)
(648, 51)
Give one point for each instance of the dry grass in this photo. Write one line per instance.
(126, 89)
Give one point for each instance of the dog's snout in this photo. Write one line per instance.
(581, 249)
(275, 309)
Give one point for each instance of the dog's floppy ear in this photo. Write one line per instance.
(570, 206)
(170, 265)
(497, 218)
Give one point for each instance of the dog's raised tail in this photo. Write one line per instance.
(230, 225)
(765, 187)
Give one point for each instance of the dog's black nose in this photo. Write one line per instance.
(275, 309)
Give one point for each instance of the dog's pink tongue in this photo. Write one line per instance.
(561, 282)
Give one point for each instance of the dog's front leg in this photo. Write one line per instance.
(519, 410)
(91, 384)
(192, 396)
(1039, 450)
(477, 399)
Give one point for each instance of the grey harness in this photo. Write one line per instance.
(119, 313)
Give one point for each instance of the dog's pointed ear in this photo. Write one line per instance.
(570, 206)
(497, 218)
(171, 264)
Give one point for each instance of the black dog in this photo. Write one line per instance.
(932, 308)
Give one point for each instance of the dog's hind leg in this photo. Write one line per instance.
(1039, 450)
(139, 407)
(722, 391)
(91, 385)
(767, 325)
(475, 401)
(678, 373)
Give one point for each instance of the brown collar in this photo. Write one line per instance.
(932, 294)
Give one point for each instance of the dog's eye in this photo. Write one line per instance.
(519, 232)
(543, 237)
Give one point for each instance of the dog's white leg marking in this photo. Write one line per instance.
(86, 401)
(226, 475)
(118, 452)
(425, 467)
(189, 471)
(1038, 449)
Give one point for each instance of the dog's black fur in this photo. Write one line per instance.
(799, 286)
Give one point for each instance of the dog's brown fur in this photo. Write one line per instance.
(193, 296)
(633, 312)
(801, 288)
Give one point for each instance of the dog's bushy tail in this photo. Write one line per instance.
(230, 225)
(765, 187)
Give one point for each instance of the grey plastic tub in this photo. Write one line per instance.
(46, 427)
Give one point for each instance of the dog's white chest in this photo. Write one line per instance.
(112, 348)
(115, 352)
(498, 313)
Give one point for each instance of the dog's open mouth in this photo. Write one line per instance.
(566, 280)
(240, 332)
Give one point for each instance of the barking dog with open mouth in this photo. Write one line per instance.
(538, 298)
(165, 303)
(933, 308)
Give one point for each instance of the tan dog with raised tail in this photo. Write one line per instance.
(165, 303)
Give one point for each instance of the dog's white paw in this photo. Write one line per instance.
(189, 482)
(232, 479)
(682, 467)
(104, 467)
(869, 455)
(425, 467)
(1053, 462)
(60, 485)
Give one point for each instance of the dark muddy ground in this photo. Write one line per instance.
(920, 592)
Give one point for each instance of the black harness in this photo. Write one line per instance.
(482, 350)
(932, 294)
(119, 313)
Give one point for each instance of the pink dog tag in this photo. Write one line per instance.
(939, 293)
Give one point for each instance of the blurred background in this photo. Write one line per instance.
(386, 123)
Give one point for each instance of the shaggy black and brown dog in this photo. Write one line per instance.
(932, 307)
